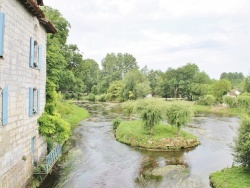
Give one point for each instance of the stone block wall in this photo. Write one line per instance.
(15, 137)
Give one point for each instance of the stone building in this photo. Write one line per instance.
(23, 30)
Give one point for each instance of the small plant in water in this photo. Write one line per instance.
(116, 122)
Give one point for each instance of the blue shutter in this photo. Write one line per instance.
(31, 52)
(32, 146)
(40, 56)
(38, 101)
(5, 106)
(31, 102)
(2, 23)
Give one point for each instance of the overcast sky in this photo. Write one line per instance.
(214, 34)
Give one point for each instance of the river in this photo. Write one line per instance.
(97, 160)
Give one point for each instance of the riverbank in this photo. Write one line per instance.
(72, 114)
(163, 137)
(217, 110)
(231, 177)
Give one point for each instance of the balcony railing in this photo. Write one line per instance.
(43, 165)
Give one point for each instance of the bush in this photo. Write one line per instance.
(207, 100)
(116, 122)
(52, 126)
(67, 95)
(243, 102)
(230, 101)
(91, 97)
(128, 108)
(102, 98)
(242, 143)
(94, 89)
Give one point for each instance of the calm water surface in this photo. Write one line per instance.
(97, 160)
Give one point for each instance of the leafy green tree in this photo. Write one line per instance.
(114, 68)
(177, 82)
(89, 71)
(234, 77)
(115, 91)
(178, 115)
(133, 81)
(220, 88)
(151, 112)
(242, 143)
(247, 84)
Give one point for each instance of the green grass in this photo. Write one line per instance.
(71, 113)
(133, 133)
(235, 177)
(209, 109)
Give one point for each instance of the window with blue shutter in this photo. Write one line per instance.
(31, 102)
(2, 23)
(34, 101)
(38, 101)
(5, 106)
(40, 57)
(35, 60)
(31, 52)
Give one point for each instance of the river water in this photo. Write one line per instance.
(97, 160)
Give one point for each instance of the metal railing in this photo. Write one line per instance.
(43, 165)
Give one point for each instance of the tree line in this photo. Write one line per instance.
(120, 77)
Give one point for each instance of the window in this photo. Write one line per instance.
(2, 23)
(4, 106)
(35, 60)
(34, 101)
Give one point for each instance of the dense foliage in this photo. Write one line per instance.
(178, 115)
(242, 143)
(151, 112)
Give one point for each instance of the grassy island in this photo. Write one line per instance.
(163, 137)
(235, 177)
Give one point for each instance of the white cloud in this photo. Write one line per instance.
(163, 33)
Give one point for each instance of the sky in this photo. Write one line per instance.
(213, 34)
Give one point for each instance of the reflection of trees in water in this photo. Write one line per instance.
(145, 173)
(154, 161)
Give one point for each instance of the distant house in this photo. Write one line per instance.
(23, 30)
(233, 93)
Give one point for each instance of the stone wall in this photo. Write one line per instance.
(15, 137)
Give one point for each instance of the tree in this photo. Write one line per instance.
(247, 84)
(115, 91)
(133, 81)
(176, 82)
(220, 88)
(89, 72)
(234, 77)
(115, 67)
(178, 115)
(242, 143)
(151, 112)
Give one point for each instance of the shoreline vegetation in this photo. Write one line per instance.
(71, 113)
(163, 138)
(233, 177)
